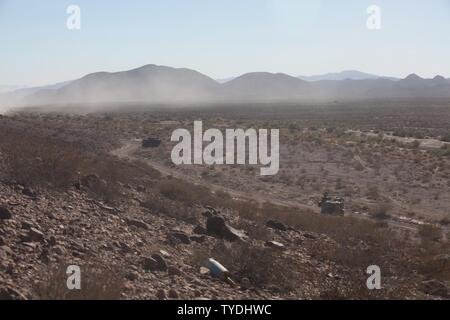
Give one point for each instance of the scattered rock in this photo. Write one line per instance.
(52, 241)
(276, 225)
(164, 253)
(173, 294)
(204, 270)
(36, 235)
(151, 143)
(309, 236)
(26, 225)
(90, 182)
(442, 262)
(200, 230)
(245, 284)
(137, 223)
(8, 293)
(132, 276)
(5, 214)
(161, 294)
(217, 226)
(141, 188)
(198, 239)
(436, 288)
(207, 214)
(108, 208)
(275, 245)
(44, 256)
(29, 192)
(154, 263)
(33, 235)
(180, 237)
(174, 271)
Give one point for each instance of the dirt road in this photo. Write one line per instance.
(130, 148)
(129, 151)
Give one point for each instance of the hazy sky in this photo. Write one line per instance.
(222, 38)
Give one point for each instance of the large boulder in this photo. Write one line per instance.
(179, 237)
(276, 225)
(5, 214)
(151, 143)
(218, 227)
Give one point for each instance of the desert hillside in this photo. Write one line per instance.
(80, 189)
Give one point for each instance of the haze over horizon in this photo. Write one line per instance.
(222, 39)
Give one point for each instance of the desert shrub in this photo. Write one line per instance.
(158, 205)
(225, 196)
(191, 195)
(445, 221)
(436, 267)
(263, 267)
(380, 211)
(373, 192)
(345, 230)
(254, 230)
(98, 282)
(247, 209)
(428, 232)
(179, 190)
(446, 137)
(36, 161)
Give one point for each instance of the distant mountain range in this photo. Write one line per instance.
(5, 89)
(160, 84)
(345, 75)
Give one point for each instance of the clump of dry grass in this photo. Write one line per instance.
(39, 161)
(36, 161)
(428, 232)
(179, 190)
(258, 266)
(158, 205)
(380, 211)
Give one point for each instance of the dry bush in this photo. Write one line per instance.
(380, 211)
(342, 229)
(254, 230)
(36, 161)
(182, 191)
(373, 192)
(98, 282)
(435, 262)
(428, 232)
(159, 205)
(445, 221)
(354, 288)
(191, 194)
(246, 209)
(263, 267)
